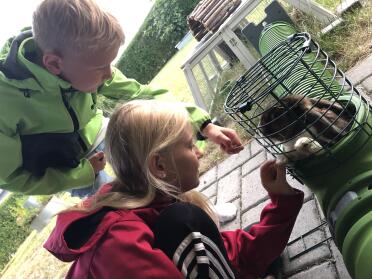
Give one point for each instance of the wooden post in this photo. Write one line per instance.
(239, 49)
(214, 61)
(312, 8)
(207, 80)
(191, 80)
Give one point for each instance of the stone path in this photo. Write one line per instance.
(237, 180)
(54, 206)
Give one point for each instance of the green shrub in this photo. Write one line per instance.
(14, 224)
(154, 44)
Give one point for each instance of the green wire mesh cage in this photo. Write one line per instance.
(294, 91)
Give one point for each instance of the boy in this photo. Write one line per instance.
(50, 127)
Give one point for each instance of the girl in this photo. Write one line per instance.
(149, 224)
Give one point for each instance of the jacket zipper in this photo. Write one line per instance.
(72, 114)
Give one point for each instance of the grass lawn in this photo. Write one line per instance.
(172, 77)
(347, 44)
(34, 262)
(31, 261)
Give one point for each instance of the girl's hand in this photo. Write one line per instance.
(226, 138)
(273, 178)
(98, 161)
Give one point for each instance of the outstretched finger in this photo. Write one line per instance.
(100, 155)
(224, 142)
(267, 168)
(268, 164)
(236, 149)
(233, 136)
(280, 170)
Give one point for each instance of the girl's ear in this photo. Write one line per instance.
(157, 166)
(53, 63)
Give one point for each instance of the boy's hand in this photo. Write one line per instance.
(98, 161)
(273, 178)
(226, 138)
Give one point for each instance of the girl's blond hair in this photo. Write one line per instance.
(75, 26)
(137, 131)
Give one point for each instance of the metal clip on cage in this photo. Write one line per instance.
(296, 91)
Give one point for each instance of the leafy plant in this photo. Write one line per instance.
(15, 219)
(154, 44)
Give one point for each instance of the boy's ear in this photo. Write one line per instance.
(157, 166)
(53, 63)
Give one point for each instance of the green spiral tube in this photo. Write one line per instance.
(314, 76)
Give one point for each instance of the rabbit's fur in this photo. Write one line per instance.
(304, 126)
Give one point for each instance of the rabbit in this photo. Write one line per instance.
(304, 125)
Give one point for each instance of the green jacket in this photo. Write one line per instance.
(42, 113)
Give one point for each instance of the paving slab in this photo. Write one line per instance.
(254, 162)
(229, 187)
(367, 84)
(54, 206)
(213, 199)
(301, 250)
(307, 219)
(255, 147)
(253, 192)
(233, 162)
(211, 190)
(361, 71)
(339, 262)
(227, 166)
(208, 178)
(325, 270)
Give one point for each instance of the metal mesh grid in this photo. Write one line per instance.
(296, 67)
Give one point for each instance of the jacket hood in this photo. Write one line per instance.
(18, 70)
(10, 66)
(77, 232)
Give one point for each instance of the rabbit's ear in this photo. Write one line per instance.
(324, 128)
(329, 126)
(313, 116)
(325, 104)
(334, 110)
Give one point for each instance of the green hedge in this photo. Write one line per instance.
(14, 224)
(154, 44)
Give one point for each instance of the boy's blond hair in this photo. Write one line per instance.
(74, 27)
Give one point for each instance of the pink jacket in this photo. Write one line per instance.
(110, 243)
